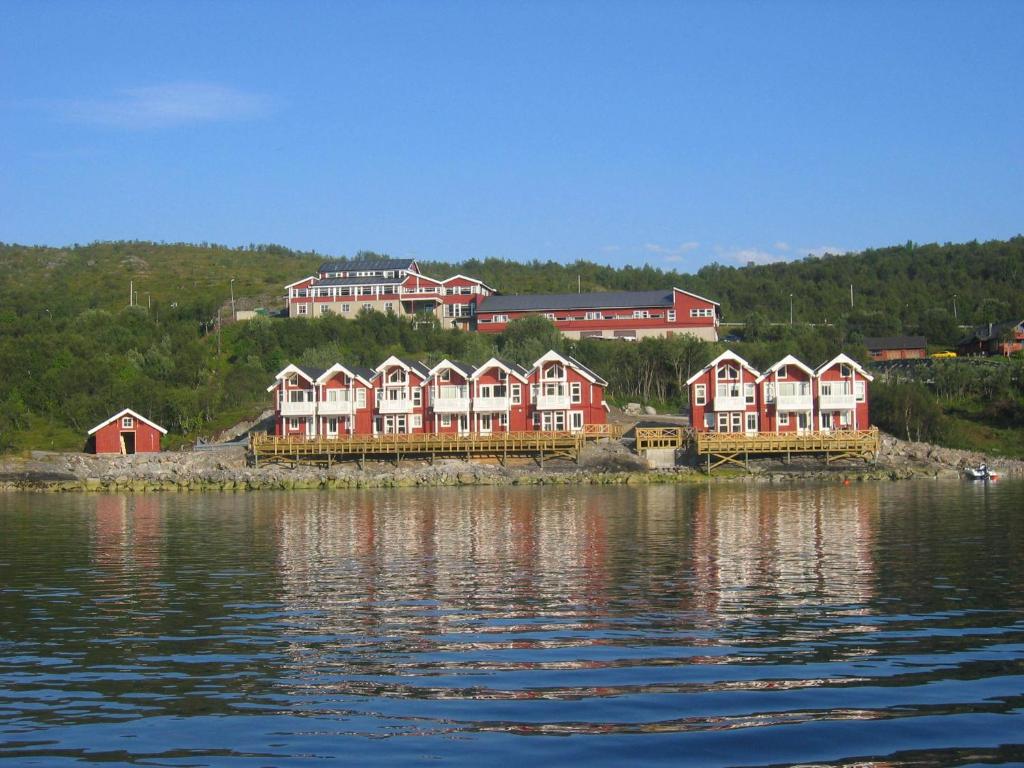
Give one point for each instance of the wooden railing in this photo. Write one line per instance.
(842, 440)
(661, 437)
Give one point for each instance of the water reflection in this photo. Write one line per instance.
(297, 621)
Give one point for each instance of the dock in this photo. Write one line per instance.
(540, 446)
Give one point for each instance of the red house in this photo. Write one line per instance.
(842, 394)
(723, 396)
(125, 433)
(296, 390)
(787, 397)
(565, 394)
(344, 401)
(626, 315)
(400, 407)
(448, 397)
(499, 397)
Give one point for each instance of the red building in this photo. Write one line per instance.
(565, 395)
(344, 401)
(125, 433)
(500, 390)
(296, 399)
(896, 347)
(786, 397)
(993, 339)
(400, 404)
(386, 285)
(842, 395)
(627, 315)
(723, 395)
(448, 396)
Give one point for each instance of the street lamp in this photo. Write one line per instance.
(232, 284)
(954, 307)
(791, 309)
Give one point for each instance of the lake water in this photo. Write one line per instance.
(740, 626)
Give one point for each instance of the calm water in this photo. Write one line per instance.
(682, 626)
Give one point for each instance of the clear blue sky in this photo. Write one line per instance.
(670, 133)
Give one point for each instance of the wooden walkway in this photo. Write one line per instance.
(360, 448)
(720, 448)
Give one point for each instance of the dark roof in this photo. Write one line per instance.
(313, 373)
(586, 370)
(363, 373)
(416, 365)
(377, 265)
(989, 331)
(535, 302)
(895, 342)
(512, 366)
(466, 368)
(331, 281)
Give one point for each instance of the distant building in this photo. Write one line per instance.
(125, 433)
(385, 285)
(626, 315)
(993, 339)
(896, 347)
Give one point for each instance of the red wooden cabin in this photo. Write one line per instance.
(841, 395)
(723, 395)
(126, 433)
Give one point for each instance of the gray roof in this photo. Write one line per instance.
(895, 342)
(313, 373)
(512, 366)
(416, 365)
(560, 301)
(989, 331)
(466, 368)
(332, 281)
(376, 265)
(363, 373)
(586, 370)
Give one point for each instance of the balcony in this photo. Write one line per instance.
(336, 408)
(789, 403)
(842, 402)
(387, 404)
(490, 404)
(552, 402)
(304, 408)
(451, 405)
(730, 403)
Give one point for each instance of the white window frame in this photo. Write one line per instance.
(576, 423)
(417, 397)
(517, 394)
(700, 394)
(670, 315)
(416, 422)
(302, 309)
(749, 393)
(575, 393)
(860, 391)
(751, 419)
(127, 423)
(293, 423)
(784, 419)
(446, 419)
(360, 398)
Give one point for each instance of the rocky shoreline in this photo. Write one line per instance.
(226, 469)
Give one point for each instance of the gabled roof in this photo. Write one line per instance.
(310, 374)
(368, 265)
(989, 331)
(410, 365)
(333, 281)
(571, 362)
(292, 285)
(563, 301)
(841, 358)
(463, 368)
(470, 279)
(787, 360)
(416, 278)
(352, 373)
(697, 296)
(512, 369)
(729, 356)
(127, 412)
(874, 343)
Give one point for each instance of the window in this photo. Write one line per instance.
(700, 394)
(517, 394)
(859, 391)
(782, 373)
(325, 309)
(127, 422)
(845, 371)
(729, 372)
(417, 397)
(445, 375)
(503, 419)
(332, 426)
(367, 306)
(641, 314)
(577, 420)
(784, 419)
(303, 309)
(576, 392)
(748, 394)
(293, 423)
(416, 421)
(389, 307)
(361, 398)
(499, 319)
(671, 315)
(592, 316)
(346, 308)
(550, 316)
(702, 312)
(534, 391)
(555, 371)
(446, 419)
(751, 422)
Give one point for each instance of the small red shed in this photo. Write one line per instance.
(126, 432)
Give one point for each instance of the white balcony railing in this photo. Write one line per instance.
(552, 402)
(304, 408)
(490, 404)
(396, 405)
(336, 408)
(843, 402)
(730, 403)
(788, 403)
(451, 404)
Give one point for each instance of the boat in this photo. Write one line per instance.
(981, 472)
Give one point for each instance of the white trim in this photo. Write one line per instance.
(126, 411)
(467, 277)
(842, 358)
(568, 362)
(446, 363)
(339, 368)
(311, 277)
(697, 296)
(787, 360)
(286, 372)
(496, 363)
(727, 355)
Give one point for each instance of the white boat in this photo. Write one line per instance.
(980, 473)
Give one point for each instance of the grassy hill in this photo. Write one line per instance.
(72, 351)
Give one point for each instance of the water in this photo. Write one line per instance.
(492, 626)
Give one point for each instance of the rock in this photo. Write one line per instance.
(650, 410)
(632, 408)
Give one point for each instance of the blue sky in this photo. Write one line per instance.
(668, 133)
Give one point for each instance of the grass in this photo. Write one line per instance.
(968, 427)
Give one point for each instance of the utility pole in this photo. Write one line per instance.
(955, 319)
(579, 284)
(233, 316)
(791, 309)
(851, 295)
(131, 293)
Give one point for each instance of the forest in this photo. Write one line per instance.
(88, 329)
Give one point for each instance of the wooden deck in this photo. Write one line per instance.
(720, 448)
(326, 451)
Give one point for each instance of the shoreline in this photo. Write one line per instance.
(609, 463)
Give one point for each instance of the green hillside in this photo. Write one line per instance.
(72, 351)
